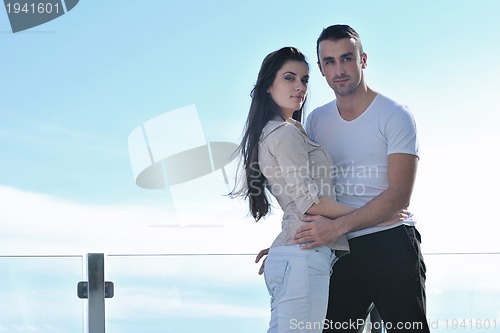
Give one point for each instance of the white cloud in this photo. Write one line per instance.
(160, 305)
(153, 284)
(455, 194)
(41, 224)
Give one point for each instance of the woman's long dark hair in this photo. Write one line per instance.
(262, 109)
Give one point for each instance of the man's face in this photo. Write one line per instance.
(341, 64)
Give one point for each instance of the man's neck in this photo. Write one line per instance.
(353, 105)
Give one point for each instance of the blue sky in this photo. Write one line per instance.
(73, 90)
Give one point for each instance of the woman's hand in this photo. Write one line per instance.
(259, 256)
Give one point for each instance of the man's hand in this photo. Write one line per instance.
(398, 217)
(259, 256)
(319, 231)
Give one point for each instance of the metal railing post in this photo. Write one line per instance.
(95, 289)
(96, 307)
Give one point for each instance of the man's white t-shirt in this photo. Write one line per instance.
(360, 149)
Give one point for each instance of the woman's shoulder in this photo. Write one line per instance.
(271, 126)
(277, 129)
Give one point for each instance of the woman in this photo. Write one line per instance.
(278, 156)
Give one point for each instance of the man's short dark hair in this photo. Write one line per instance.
(336, 32)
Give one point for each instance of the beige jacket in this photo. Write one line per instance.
(298, 172)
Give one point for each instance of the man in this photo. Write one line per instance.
(373, 143)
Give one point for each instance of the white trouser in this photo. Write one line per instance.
(298, 282)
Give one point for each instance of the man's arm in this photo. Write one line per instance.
(402, 170)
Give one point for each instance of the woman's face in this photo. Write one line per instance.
(289, 88)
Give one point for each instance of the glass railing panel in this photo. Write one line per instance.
(186, 293)
(213, 293)
(223, 293)
(463, 292)
(39, 294)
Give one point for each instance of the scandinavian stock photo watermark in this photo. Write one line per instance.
(298, 179)
(26, 14)
(327, 324)
(460, 324)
